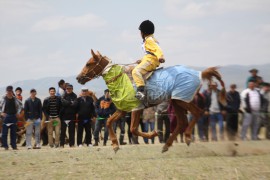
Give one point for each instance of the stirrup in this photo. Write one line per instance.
(139, 95)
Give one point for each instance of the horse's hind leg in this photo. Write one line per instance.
(135, 120)
(116, 116)
(196, 113)
(181, 124)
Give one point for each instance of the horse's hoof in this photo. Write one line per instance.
(116, 149)
(188, 141)
(164, 149)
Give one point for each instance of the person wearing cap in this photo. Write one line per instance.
(85, 111)
(104, 109)
(254, 77)
(68, 116)
(33, 116)
(233, 106)
(252, 103)
(10, 108)
(51, 108)
(150, 61)
(216, 110)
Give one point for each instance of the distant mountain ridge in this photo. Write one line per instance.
(231, 74)
(42, 85)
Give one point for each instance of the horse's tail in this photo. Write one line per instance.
(211, 72)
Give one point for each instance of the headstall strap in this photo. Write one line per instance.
(93, 70)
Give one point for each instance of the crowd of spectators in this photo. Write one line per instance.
(64, 117)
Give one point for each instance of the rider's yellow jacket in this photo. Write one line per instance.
(150, 60)
(152, 50)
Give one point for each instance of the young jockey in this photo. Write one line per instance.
(151, 60)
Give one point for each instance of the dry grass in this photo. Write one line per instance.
(199, 161)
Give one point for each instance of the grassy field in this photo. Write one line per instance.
(211, 160)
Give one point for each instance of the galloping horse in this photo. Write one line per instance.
(178, 84)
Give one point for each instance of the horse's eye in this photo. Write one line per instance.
(88, 64)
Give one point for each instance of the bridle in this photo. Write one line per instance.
(92, 71)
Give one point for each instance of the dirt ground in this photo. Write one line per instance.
(212, 160)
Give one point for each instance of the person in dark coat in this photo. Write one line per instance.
(86, 111)
(233, 105)
(68, 116)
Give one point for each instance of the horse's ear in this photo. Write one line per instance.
(93, 54)
(98, 53)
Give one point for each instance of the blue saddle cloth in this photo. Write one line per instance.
(176, 82)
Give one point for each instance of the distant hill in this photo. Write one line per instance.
(231, 74)
(42, 85)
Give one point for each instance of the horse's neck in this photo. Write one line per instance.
(107, 68)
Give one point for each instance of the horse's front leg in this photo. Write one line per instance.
(196, 113)
(135, 121)
(116, 116)
(181, 118)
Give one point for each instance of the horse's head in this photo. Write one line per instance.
(93, 68)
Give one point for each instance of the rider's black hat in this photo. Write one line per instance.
(147, 27)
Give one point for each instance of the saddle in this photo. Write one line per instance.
(128, 71)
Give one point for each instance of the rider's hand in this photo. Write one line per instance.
(161, 60)
(138, 61)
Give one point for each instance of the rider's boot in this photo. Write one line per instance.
(140, 93)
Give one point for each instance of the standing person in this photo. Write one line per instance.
(128, 121)
(86, 111)
(265, 110)
(18, 93)
(68, 116)
(199, 100)
(254, 77)
(61, 88)
(205, 118)
(33, 115)
(20, 119)
(10, 108)
(233, 105)
(252, 102)
(51, 108)
(216, 111)
(163, 118)
(149, 120)
(121, 124)
(151, 60)
(104, 109)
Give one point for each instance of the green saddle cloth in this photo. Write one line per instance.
(121, 90)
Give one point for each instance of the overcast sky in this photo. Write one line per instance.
(53, 38)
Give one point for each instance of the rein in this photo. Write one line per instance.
(92, 73)
(127, 64)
